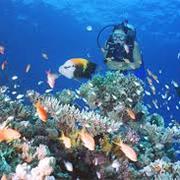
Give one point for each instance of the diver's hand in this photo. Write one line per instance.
(108, 60)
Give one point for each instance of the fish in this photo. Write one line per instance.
(40, 82)
(128, 151)
(45, 56)
(42, 113)
(169, 98)
(178, 55)
(14, 78)
(160, 71)
(19, 96)
(3, 65)
(76, 68)
(28, 67)
(98, 174)
(154, 101)
(78, 92)
(16, 86)
(8, 134)
(48, 90)
(66, 140)
(147, 93)
(153, 89)
(51, 78)
(174, 83)
(4, 177)
(131, 114)
(68, 165)
(14, 92)
(149, 80)
(149, 106)
(152, 75)
(89, 28)
(114, 97)
(87, 139)
(2, 50)
(167, 86)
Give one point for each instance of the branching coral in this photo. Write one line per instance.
(73, 117)
(66, 96)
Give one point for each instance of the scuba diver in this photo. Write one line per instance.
(121, 51)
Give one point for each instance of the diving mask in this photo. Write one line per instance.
(119, 36)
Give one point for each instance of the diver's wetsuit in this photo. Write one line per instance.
(116, 50)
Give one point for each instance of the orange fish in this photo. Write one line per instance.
(66, 140)
(87, 139)
(128, 151)
(131, 114)
(4, 177)
(41, 111)
(28, 67)
(3, 65)
(2, 49)
(8, 135)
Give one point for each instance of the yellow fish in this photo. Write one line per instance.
(4, 177)
(131, 114)
(127, 150)
(8, 135)
(80, 61)
(87, 139)
(66, 140)
(76, 68)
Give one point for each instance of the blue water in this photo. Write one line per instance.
(30, 27)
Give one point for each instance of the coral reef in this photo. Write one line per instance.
(115, 138)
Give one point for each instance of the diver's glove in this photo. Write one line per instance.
(106, 60)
